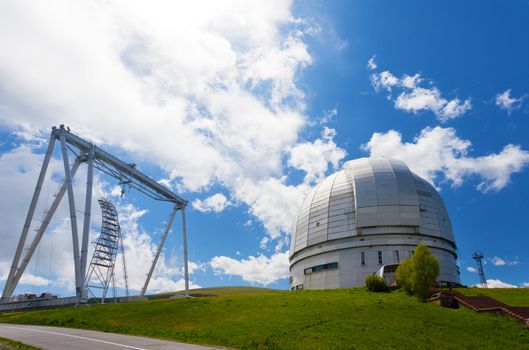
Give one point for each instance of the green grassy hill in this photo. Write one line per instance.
(212, 292)
(509, 296)
(264, 319)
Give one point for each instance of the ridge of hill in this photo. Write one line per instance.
(213, 292)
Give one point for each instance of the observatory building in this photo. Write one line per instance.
(370, 214)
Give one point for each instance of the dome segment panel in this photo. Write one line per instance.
(434, 216)
(360, 173)
(293, 235)
(385, 193)
(342, 215)
(301, 225)
(406, 186)
(319, 212)
(385, 183)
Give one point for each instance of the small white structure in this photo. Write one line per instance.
(388, 273)
(372, 213)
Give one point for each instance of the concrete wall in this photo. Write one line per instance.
(352, 273)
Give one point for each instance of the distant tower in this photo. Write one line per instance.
(478, 256)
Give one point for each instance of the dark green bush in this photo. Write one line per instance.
(376, 284)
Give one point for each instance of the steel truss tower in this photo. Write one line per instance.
(95, 158)
(478, 256)
(101, 272)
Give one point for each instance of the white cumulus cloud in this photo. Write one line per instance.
(329, 116)
(371, 63)
(260, 270)
(471, 269)
(497, 261)
(206, 90)
(26, 279)
(315, 157)
(215, 203)
(415, 98)
(384, 80)
(273, 201)
(496, 283)
(438, 154)
(508, 103)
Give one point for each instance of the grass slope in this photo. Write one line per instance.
(207, 292)
(509, 296)
(7, 344)
(333, 319)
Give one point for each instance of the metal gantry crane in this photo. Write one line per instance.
(95, 158)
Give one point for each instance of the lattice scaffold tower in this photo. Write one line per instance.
(95, 158)
(101, 272)
(478, 256)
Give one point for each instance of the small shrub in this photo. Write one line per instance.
(376, 284)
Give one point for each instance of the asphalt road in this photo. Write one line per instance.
(55, 338)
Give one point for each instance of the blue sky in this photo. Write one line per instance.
(242, 107)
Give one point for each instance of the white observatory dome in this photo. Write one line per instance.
(368, 215)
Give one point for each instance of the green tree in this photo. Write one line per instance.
(418, 273)
(404, 276)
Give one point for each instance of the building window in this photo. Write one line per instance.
(320, 268)
(363, 258)
(379, 257)
(396, 256)
(298, 287)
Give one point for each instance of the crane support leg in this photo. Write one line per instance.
(73, 218)
(184, 240)
(29, 218)
(87, 217)
(40, 231)
(159, 250)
